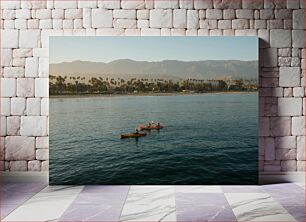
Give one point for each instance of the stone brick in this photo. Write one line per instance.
(191, 32)
(31, 67)
(125, 23)
(42, 142)
(1, 148)
(288, 165)
(142, 23)
(264, 126)
(203, 4)
(298, 126)
(19, 148)
(21, 53)
(73, 13)
(264, 38)
(179, 18)
(41, 87)
(143, 14)
(6, 57)
(290, 106)
(285, 142)
(224, 24)
(9, 38)
(29, 38)
(67, 24)
(86, 18)
(215, 32)
(13, 125)
(165, 32)
(132, 4)
(283, 14)
(293, 4)
(18, 106)
(246, 32)
(160, 18)
(270, 57)
(296, 52)
(25, 87)
(301, 148)
(33, 4)
(150, 32)
(289, 76)
(288, 24)
(87, 4)
(280, 38)
(288, 92)
(5, 104)
(58, 13)
(8, 14)
(275, 24)
(8, 24)
(42, 154)
(34, 165)
(252, 4)
(269, 149)
(109, 4)
(110, 32)
(43, 70)
(284, 52)
(280, 126)
(19, 62)
(186, 4)
(122, 13)
(277, 92)
(33, 126)
(45, 165)
(271, 168)
(298, 92)
(208, 24)
(20, 23)
(298, 38)
(10, 4)
(3, 126)
(245, 14)
(298, 19)
(18, 166)
(43, 13)
(66, 4)
(214, 14)
(227, 4)
(33, 106)
(192, 19)
(166, 4)
(301, 166)
(229, 14)
(23, 14)
(45, 107)
(285, 154)
(240, 24)
(13, 72)
(295, 62)
(8, 87)
(102, 18)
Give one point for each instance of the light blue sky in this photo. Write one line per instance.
(106, 49)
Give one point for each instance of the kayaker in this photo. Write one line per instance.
(158, 124)
(149, 124)
(152, 123)
(136, 131)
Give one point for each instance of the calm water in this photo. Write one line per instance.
(207, 139)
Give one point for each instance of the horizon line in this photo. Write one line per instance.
(77, 60)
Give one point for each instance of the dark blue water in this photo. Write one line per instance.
(207, 139)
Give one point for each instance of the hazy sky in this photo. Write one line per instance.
(106, 49)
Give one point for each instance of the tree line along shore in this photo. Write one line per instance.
(64, 85)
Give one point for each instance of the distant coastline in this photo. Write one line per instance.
(145, 94)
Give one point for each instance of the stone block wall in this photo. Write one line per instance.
(26, 26)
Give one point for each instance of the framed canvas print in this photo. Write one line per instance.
(153, 110)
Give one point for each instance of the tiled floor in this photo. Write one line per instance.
(39, 202)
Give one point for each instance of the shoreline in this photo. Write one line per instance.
(141, 94)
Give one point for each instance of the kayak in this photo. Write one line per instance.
(142, 127)
(132, 135)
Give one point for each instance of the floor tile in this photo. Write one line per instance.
(242, 189)
(22, 187)
(47, 205)
(298, 212)
(289, 199)
(149, 203)
(257, 207)
(203, 207)
(198, 189)
(283, 188)
(97, 203)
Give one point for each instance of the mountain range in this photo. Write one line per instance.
(167, 69)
